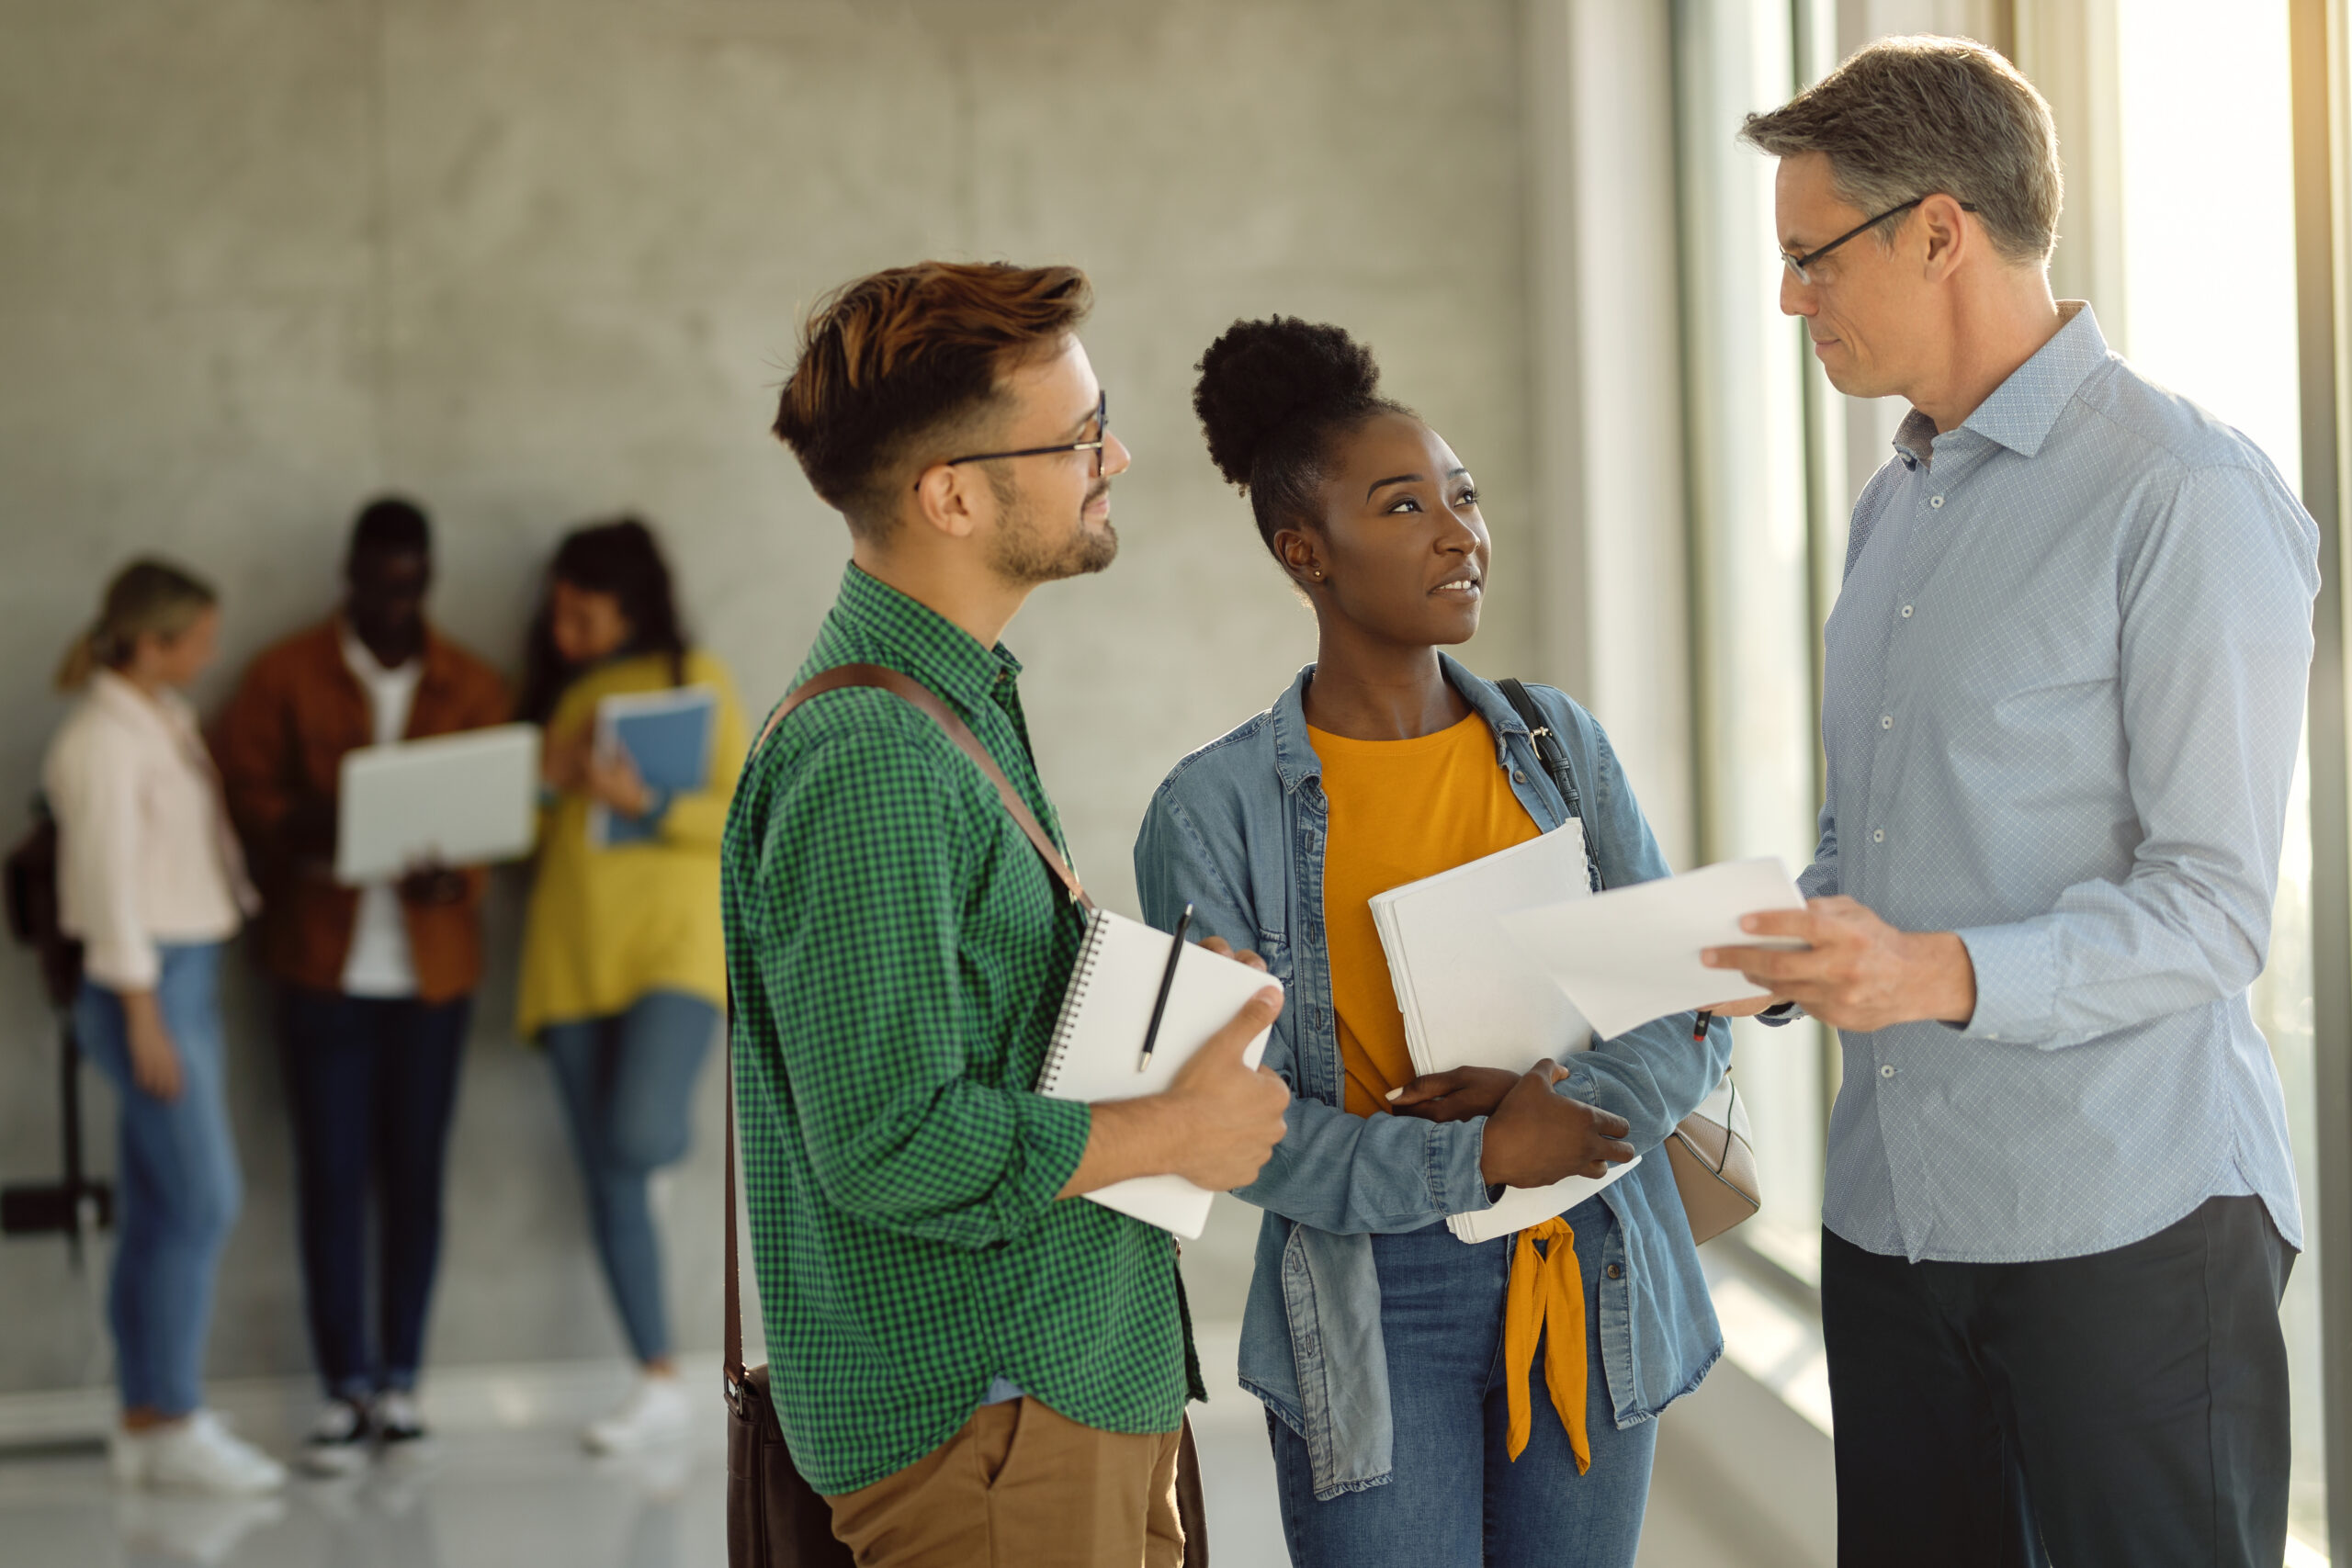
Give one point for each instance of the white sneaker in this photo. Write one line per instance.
(656, 1412)
(200, 1454)
(126, 1455)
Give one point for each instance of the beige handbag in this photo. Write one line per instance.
(1714, 1164)
(1712, 1155)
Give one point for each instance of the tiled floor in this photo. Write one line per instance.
(527, 1497)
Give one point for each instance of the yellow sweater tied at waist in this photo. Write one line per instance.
(1546, 1302)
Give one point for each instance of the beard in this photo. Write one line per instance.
(1029, 547)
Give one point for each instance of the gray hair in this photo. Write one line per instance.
(1905, 117)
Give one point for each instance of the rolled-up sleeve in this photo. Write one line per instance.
(2216, 646)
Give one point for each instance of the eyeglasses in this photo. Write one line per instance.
(1798, 263)
(1102, 439)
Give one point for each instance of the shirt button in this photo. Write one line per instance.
(1887, 1071)
(1878, 835)
(1614, 1272)
(1935, 500)
(1517, 777)
(1886, 721)
(1906, 612)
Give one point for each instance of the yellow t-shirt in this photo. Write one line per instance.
(606, 926)
(1400, 810)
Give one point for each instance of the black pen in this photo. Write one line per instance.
(1699, 1029)
(1166, 984)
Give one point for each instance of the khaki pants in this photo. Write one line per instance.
(1022, 1486)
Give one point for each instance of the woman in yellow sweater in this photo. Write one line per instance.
(622, 977)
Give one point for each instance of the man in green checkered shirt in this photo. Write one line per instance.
(932, 1287)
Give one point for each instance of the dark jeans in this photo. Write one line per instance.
(627, 1083)
(2129, 1407)
(371, 1085)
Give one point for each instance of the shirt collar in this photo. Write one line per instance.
(934, 649)
(117, 693)
(362, 662)
(2023, 409)
(1295, 760)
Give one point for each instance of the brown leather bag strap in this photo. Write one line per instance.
(899, 684)
(733, 1366)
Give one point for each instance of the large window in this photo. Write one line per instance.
(1752, 555)
(2206, 147)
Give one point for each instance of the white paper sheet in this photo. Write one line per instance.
(1471, 998)
(1631, 955)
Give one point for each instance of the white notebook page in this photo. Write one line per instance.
(1101, 1033)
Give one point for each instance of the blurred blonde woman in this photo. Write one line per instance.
(151, 880)
(622, 977)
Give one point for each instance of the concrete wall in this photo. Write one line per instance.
(537, 260)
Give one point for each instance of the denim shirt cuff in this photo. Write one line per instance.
(2016, 982)
(1454, 1150)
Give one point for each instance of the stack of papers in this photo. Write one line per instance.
(1472, 998)
(1511, 959)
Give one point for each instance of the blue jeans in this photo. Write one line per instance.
(628, 1084)
(372, 1083)
(177, 1188)
(1456, 1500)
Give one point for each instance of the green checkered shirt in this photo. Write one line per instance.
(898, 955)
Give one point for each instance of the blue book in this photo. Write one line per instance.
(667, 735)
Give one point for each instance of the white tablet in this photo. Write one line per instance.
(464, 799)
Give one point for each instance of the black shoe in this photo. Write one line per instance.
(339, 1441)
(396, 1418)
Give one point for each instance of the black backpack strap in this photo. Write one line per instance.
(1553, 754)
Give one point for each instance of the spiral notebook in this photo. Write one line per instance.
(1100, 1033)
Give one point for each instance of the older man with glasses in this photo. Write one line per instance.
(2062, 699)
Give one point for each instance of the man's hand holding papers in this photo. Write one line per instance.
(1631, 954)
(1855, 971)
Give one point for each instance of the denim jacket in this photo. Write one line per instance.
(1238, 830)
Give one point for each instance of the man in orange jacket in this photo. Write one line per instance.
(376, 982)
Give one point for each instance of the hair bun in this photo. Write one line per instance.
(1260, 378)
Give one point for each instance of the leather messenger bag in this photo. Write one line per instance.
(774, 1519)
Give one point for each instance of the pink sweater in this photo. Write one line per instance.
(145, 851)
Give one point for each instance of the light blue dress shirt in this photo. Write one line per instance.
(2064, 688)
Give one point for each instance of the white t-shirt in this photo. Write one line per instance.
(379, 963)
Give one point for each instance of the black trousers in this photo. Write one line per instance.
(372, 1084)
(2129, 1407)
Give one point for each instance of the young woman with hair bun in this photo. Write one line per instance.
(623, 973)
(151, 881)
(1413, 1417)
